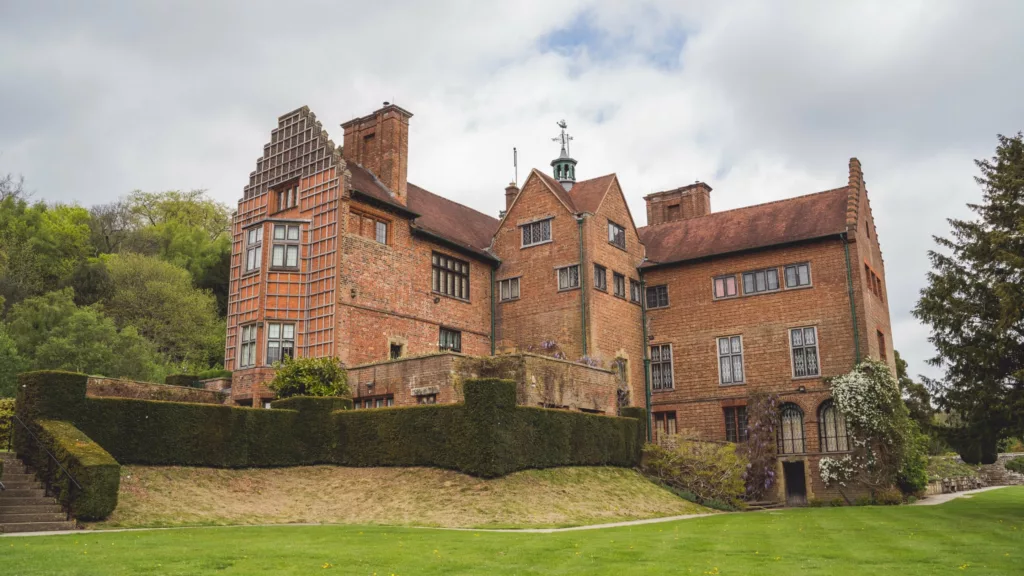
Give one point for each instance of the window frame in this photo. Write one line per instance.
(280, 340)
(781, 436)
(247, 344)
(817, 351)
(661, 362)
(647, 298)
(439, 270)
(426, 399)
(741, 428)
(664, 417)
(840, 442)
(882, 353)
(600, 278)
(539, 223)
(287, 196)
(558, 277)
(731, 355)
(253, 247)
(765, 271)
(636, 291)
(285, 243)
(501, 290)
(727, 296)
(619, 281)
(457, 347)
(797, 265)
(377, 221)
(620, 232)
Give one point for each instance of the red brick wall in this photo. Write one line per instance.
(872, 307)
(386, 295)
(379, 142)
(614, 327)
(542, 312)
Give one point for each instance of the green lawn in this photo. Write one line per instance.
(980, 535)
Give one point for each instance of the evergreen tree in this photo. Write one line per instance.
(974, 304)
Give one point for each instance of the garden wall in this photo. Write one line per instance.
(487, 435)
(100, 387)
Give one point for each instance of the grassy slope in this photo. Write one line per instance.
(983, 535)
(171, 496)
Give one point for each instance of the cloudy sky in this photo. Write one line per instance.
(763, 100)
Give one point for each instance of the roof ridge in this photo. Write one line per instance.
(752, 206)
(449, 200)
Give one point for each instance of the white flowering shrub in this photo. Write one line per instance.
(882, 435)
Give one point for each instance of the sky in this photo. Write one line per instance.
(762, 100)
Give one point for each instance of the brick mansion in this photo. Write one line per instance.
(336, 253)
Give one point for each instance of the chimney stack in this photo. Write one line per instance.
(511, 191)
(379, 142)
(690, 201)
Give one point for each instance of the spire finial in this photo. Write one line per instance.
(564, 166)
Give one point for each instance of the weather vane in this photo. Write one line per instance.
(563, 138)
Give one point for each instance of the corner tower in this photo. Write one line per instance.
(564, 166)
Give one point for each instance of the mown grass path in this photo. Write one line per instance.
(983, 534)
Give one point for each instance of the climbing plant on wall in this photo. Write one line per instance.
(760, 448)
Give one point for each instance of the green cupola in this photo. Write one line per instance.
(564, 166)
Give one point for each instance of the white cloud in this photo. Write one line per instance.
(761, 100)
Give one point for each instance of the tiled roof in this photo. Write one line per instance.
(456, 222)
(781, 222)
(560, 192)
(588, 194)
(364, 181)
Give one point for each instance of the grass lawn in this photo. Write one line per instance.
(980, 535)
(157, 496)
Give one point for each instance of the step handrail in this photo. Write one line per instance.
(48, 453)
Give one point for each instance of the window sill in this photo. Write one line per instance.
(814, 377)
(450, 297)
(284, 269)
(619, 296)
(623, 248)
(507, 300)
(731, 384)
(525, 246)
(663, 390)
(657, 307)
(804, 287)
(605, 290)
(254, 272)
(568, 289)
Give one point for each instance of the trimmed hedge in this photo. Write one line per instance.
(6, 411)
(186, 380)
(95, 470)
(486, 436)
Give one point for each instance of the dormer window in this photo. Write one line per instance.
(616, 235)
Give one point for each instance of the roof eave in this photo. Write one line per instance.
(392, 206)
(458, 247)
(649, 265)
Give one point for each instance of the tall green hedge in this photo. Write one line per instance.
(98, 474)
(486, 436)
(6, 411)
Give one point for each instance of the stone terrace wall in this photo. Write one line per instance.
(99, 387)
(540, 381)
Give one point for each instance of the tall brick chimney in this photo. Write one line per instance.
(380, 143)
(511, 191)
(678, 204)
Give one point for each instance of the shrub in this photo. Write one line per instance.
(214, 373)
(310, 377)
(912, 477)
(1016, 465)
(943, 467)
(863, 501)
(6, 422)
(711, 471)
(889, 497)
(837, 502)
(815, 503)
(92, 467)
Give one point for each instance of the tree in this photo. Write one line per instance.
(191, 209)
(52, 333)
(974, 304)
(915, 396)
(310, 377)
(12, 187)
(159, 300)
(11, 363)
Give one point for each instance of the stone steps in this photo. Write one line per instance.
(24, 505)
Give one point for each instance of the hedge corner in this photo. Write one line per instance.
(96, 471)
(50, 394)
(490, 393)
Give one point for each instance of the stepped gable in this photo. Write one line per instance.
(781, 222)
(298, 147)
(448, 219)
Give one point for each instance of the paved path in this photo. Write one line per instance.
(942, 498)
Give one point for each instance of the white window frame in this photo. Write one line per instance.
(247, 345)
(817, 352)
(280, 340)
(731, 355)
(558, 277)
(288, 243)
(253, 248)
(513, 288)
(538, 223)
(671, 366)
(785, 277)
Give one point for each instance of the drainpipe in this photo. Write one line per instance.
(853, 305)
(583, 285)
(647, 358)
(492, 310)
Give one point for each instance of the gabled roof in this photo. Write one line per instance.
(558, 190)
(457, 223)
(587, 195)
(784, 221)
